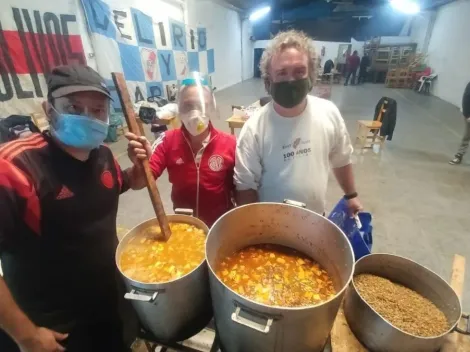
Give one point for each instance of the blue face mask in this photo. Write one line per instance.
(79, 131)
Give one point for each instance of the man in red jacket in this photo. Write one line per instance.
(353, 62)
(199, 158)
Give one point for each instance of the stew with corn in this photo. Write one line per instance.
(147, 259)
(276, 275)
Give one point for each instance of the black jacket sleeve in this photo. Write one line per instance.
(466, 102)
(392, 120)
(15, 200)
(389, 117)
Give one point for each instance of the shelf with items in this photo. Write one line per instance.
(385, 57)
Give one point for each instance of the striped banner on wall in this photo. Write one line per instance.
(35, 36)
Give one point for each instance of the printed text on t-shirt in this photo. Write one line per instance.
(304, 150)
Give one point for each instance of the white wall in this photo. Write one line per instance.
(331, 50)
(449, 51)
(224, 35)
(247, 50)
(421, 29)
(261, 44)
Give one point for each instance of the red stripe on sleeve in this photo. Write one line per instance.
(37, 145)
(9, 147)
(15, 180)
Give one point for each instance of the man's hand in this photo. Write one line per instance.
(43, 340)
(354, 205)
(138, 148)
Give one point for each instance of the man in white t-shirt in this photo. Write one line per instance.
(287, 149)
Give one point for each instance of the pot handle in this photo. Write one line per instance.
(184, 211)
(251, 324)
(465, 331)
(295, 203)
(134, 296)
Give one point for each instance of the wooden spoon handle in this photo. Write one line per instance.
(129, 114)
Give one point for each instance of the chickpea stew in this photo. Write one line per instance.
(276, 275)
(147, 259)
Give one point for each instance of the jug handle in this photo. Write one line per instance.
(465, 331)
(134, 296)
(251, 324)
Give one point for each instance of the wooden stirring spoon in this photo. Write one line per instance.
(129, 114)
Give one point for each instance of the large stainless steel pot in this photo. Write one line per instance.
(378, 334)
(174, 310)
(247, 326)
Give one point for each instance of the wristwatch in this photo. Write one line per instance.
(350, 196)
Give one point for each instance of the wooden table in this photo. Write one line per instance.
(343, 340)
(236, 121)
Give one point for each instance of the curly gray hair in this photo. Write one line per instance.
(284, 40)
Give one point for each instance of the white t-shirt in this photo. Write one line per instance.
(290, 157)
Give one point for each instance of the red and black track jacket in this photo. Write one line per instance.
(58, 230)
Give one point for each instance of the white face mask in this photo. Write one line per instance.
(195, 122)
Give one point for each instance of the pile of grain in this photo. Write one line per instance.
(402, 307)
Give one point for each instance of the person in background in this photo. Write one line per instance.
(353, 62)
(199, 158)
(287, 149)
(59, 196)
(329, 65)
(466, 137)
(363, 67)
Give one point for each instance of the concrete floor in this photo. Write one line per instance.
(419, 202)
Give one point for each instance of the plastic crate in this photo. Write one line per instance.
(115, 121)
(112, 134)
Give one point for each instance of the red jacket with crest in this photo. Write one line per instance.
(206, 187)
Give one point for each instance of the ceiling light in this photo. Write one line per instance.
(409, 7)
(259, 13)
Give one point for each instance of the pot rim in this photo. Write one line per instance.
(452, 327)
(338, 294)
(164, 283)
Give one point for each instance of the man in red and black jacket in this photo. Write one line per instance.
(58, 202)
(199, 158)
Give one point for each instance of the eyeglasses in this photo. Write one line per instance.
(99, 113)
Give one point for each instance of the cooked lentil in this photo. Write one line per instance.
(276, 275)
(401, 306)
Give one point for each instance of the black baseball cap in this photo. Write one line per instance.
(68, 79)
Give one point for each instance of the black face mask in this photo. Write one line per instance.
(290, 93)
